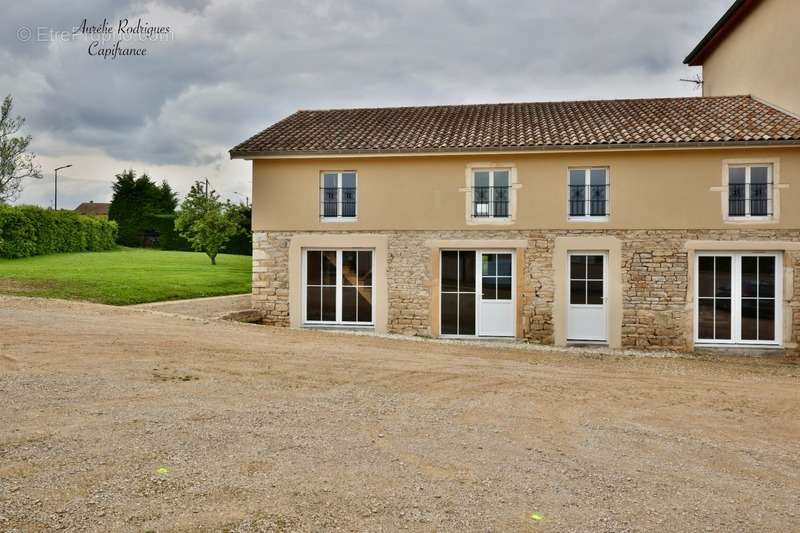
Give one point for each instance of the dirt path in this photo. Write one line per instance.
(202, 307)
(262, 429)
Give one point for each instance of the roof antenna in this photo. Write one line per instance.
(697, 80)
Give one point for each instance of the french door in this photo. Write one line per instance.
(338, 287)
(477, 293)
(738, 298)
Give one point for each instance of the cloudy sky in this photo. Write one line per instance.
(228, 68)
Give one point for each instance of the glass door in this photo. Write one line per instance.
(738, 298)
(457, 286)
(338, 287)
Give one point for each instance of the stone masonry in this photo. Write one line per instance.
(655, 278)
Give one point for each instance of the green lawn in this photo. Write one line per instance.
(125, 276)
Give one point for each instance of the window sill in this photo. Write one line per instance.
(490, 221)
(750, 220)
(339, 219)
(590, 219)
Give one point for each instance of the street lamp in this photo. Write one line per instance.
(246, 198)
(55, 195)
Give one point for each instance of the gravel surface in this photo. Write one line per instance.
(116, 419)
(202, 307)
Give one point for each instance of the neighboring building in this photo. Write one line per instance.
(92, 209)
(753, 49)
(669, 223)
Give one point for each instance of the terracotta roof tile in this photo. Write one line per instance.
(525, 126)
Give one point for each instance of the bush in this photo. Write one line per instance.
(29, 230)
(164, 226)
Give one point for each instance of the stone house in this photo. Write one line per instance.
(665, 223)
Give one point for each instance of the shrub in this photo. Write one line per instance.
(29, 230)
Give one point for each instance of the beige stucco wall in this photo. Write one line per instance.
(656, 189)
(761, 56)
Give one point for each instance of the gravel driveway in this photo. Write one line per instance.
(127, 420)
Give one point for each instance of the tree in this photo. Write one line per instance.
(16, 163)
(134, 201)
(207, 222)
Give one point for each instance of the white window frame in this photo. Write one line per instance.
(339, 285)
(338, 217)
(774, 194)
(747, 182)
(469, 193)
(587, 180)
(736, 300)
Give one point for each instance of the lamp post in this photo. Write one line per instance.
(246, 198)
(55, 190)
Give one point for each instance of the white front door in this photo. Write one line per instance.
(497, 302)
(587, 311)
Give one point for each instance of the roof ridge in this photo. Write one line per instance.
(538, 102)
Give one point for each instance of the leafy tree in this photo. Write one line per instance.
(207, 222)
(134, 201)
(16, 163)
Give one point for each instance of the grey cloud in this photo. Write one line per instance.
(234, 66)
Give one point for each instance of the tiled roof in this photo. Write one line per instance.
(526, 126)
(93, 208)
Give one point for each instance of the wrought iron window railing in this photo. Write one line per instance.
(337, 202)
(749, 199)
(589, 200)
(488, 202)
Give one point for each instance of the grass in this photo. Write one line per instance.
(125, 276)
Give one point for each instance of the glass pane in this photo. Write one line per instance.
(449, 271)
(736, 175)
(749, 319)
(348, 202)
(705, 277)
(329, 267)
(723, 279)
(501, 178)
(349, 298)
(749, 277)
(597, 176)
(504, 288)
(449, 314)
(705, 313)
(577, 267)
(330, 180)
(329, 304)
(503, 264)
(313, 268)
(330, 202)
(594, 267)
(489, 264)
(349, 267)
(365, 268)
(467, 272)
(365, 304)
(500, 201)
(594, 292)
(489, 288)
(313, 302)
(577, 292)
(348, 180)
(766, 320)
(481, 178)
(766, 277)
(577, 193)
(598, 200)
(759, 174)
(759, 199)
(466, 314)
(722, 328)
(577, 177)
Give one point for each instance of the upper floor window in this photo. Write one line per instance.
(491, 193)
(750, 191)
(588, 193)
(338, 194)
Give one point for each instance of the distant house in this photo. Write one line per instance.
(92, 209)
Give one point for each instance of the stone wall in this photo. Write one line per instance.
(655, 278)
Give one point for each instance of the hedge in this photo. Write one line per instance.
(29, 230)
(168, 238)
